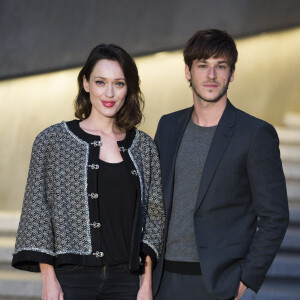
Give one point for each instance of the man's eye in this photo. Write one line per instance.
(221, 67)
(202, 66)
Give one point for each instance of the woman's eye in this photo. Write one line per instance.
(120, 84)
(99, 82)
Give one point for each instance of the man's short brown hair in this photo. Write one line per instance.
(210, 43)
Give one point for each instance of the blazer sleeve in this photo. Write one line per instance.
(269, 196)
(35, 242)
(156, 138)
(152, 237)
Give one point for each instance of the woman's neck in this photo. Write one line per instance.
(100, 125)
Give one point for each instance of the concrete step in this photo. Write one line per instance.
(285, 266)
(275, 290)
(294, 214)
(291, 241)
(292, 171)
(288, 135)
(20, 284)
(9, 221)
(291, 120)
(19, 298)
(6, 249)
(290, 153)
(293, 191)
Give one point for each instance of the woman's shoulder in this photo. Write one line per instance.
(144, 137)
(145, 142)
(51, 131)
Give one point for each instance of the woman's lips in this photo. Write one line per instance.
(108, 103)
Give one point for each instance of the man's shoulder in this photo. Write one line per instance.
(176, 114)
(250, 121)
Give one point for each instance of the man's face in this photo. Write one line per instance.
(209, 78)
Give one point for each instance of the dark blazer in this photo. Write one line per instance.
(241, 213)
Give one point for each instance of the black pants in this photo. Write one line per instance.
(97, 283)
(182, 287)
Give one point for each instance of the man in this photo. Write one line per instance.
(224, 188)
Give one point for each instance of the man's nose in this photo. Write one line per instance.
(212, 73)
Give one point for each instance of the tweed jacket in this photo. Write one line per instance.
(57, 222)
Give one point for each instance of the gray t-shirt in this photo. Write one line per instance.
(191, 157)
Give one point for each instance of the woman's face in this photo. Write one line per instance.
(107, 88)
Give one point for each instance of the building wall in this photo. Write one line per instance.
(48, 35)
(266, 85)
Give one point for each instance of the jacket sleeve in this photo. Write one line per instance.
(34, 243)
(270, 203)
(152, 237)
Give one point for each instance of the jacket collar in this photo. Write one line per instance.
(90, 138)
(221, 139)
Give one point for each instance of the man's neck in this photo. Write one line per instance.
(207, 114)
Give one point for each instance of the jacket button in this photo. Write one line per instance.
(98, 254)
(93, 195)
(94, 166)
(95, 225)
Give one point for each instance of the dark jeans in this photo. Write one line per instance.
(182, 287)
(97, 283)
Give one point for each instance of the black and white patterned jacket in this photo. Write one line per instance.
(56, 225)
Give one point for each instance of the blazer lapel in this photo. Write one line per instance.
(222, 136)
(174, 140)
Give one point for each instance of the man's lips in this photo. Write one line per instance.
(210, 85)
(108, 103)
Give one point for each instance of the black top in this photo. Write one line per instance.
(116, 211)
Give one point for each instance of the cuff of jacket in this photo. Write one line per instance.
(148, 251)
(250, 284)
(30, 260)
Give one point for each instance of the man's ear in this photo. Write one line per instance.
(187, 73)
(85, 84)
(232, 76)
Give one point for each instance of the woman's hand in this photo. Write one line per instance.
(145, 291)
(51, 287)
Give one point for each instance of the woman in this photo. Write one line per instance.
(92, 217)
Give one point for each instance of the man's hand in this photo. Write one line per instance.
(241, 291)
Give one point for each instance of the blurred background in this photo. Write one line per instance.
(44, 43)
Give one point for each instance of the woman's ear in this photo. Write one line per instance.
(86, 85)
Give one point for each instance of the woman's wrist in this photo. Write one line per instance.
(47, 271)
(147, 276)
